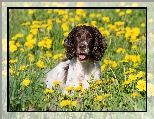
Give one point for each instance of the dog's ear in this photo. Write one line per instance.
(70, 43)
(100, 45)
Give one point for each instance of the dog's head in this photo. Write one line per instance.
(85, 42)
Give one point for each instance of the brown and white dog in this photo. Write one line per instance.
(84, 47)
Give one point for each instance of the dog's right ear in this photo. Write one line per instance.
(69, 43)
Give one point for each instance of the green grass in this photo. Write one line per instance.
(32, 96)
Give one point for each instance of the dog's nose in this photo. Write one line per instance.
(82, 46)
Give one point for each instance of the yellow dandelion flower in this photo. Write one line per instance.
(49, 28)
(66, 34)
(22, 67)
(40, 64)
(113, 64)
(71, 19)
(141, 85)
(48, 54)
(31, 57)
(99, 98)
(121, 13)
(78, 88)
(129, 11)
(98, 15)
(48, 91)
(123, 61)
(117, 10)
(34, 31)
(57, 56)
(26, 82)
(13, 61)
(65, 102)
(134, 47)
(69, 88)
(92, 15)
(134, 95)
(106, 19)
(31, 11)
(74, 103)
(57, 82)
(143, 24)
(140, 74)
(13, 48)
(107, 95)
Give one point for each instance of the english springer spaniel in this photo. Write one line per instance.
(84, 47)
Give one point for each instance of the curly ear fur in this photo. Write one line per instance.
(99, 46)
(69, 43)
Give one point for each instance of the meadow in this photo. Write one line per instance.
(36, 39)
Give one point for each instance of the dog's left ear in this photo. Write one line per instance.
(100, 45)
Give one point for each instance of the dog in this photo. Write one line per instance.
(85, 47)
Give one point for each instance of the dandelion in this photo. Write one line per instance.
(107, 95)
(49, 28)
(12, 61)
(98, 82)
(141, 85)
(127, 82)
(69, 88)
(34, 31)
(25, 24)
(134, 95)
(57, 56)
(129, 11)
(48, 91)
(113, 64)
(140, 74)
(71, 19)
(13, 48)
(143, 25)
(48, 54)
(117, 10)
(74, 103)
(58, 20)
(56, 82)
(106, 19)
(99, 98)
(26, 82)
(64, 102)
(92, 15)
(134, 47)
(22, 67)
(31, 57)
(66, 34)
(31, 11)
(98, 15)
(78, 11)
(78, 88)
(40, 64)
(121, 13)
